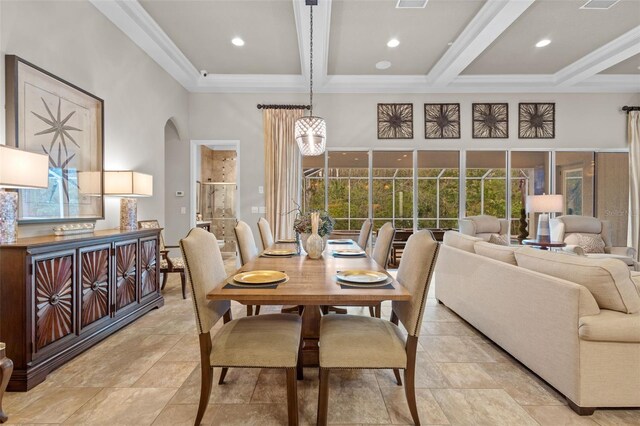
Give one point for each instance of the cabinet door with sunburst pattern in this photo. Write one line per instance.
(94, 281)
(126, 274)
(54, 299)
(148, 266)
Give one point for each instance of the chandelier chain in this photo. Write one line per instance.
(311, 62)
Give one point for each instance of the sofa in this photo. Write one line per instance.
(572, 320)
(574, 229)
(485, 227)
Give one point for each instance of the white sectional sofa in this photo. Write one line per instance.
(574, 321)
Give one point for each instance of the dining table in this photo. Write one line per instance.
(312, 284)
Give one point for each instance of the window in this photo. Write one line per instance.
(348, 196)
(486, 183)
(529, 176)
(392, 198)
(438, 189)
(313, 183)
(612, 193)
(574, 180)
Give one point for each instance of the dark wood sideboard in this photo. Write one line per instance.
(61, 295)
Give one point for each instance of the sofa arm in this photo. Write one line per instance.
(621, 251)
(574, 249)
(610, 326)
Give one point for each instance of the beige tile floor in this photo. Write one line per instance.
(147, 374)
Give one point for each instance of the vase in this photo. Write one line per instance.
(304, 240)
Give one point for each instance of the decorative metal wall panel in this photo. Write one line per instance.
(490, 121)
(395, 121)
(442, 121)
(537, 121)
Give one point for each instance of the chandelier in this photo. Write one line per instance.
(310, 131)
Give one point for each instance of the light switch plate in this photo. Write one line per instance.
(254, 209)
(263, 209)
(261, 190)
(183, 210)
(179, 193)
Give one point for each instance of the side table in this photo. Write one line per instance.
(544, 245)
(6, 368)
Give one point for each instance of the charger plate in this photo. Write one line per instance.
(349, 252)
(385, 283)
(341, 241)
(279, 252)
(361, 276)
(287, 241)
(259, 277)
(230, 281)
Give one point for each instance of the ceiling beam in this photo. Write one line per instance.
(321, 28)
(600, 59)
(491, 21)
(131, 18)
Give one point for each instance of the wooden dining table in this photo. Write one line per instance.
(312, 284)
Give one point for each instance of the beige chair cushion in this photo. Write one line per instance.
(269, 341)
(502, 253)
(610, 326)
(353, 341)
(266, 235)
(365, 231)
(635, 277)
(460, 241)
(501, 240)
(383, 244)
(590, 243)
(607, 279)
(584, 224)
(246, 244)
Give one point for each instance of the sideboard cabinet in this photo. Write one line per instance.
(61, 295)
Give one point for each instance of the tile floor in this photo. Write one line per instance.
(147, 374)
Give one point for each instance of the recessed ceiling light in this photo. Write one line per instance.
(394, 42)
(544, 42)
(383, 65)
(237, 41)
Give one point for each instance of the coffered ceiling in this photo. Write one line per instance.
(447, 46)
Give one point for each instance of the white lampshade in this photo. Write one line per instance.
(90, 183)
(23, 169)
(128, 184)
(311, 135)
(544, 203)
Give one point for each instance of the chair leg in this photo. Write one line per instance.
(378, 310)
(323, 398)
(223, 374)
(299, 366)
(325, 310)
(257, 309)
(249, 310)
(292, 397)
(409, 378)
(372, 311)
(396, 373)
(184, 285)
(205, 392)
(6, 368)
(165, 276)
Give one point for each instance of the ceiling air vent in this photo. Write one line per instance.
(599, 4)
(411, 4)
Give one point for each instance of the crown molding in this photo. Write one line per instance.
(600, 59)
(488, 24)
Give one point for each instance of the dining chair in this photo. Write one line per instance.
(168, 264)
(365, 232)
(247, 250)
(358, 342)
(265, 341)
(266, 236)
(381, 251)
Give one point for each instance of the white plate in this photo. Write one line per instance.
(362, 276)
(349, 252)
(341, 241)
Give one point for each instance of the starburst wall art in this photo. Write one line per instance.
(490, 121)
(442, 121)
(50, 116)
(537, 121)
(395, 121)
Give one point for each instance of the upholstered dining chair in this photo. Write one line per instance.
(358, 342)
(168, 264)
(365, 232)
(266, 236)
(247, 250)
(265, 341)
(381, 251)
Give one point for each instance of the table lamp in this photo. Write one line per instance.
(129, 185)
(544, 204)
(18, 169)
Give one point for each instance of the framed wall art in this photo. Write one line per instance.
(395, 121)
(442, 121)
(48, 115)
(537, 120)
(490, 121)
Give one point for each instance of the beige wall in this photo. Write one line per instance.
(582, 121)
(76, 42)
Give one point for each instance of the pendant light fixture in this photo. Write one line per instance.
(310, 131)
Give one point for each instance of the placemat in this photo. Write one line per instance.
(230, 286)
(341, 256)
(389, 286)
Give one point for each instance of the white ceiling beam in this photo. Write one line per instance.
(490, 22)
(321, 28)
(600, 59)
(131, 18)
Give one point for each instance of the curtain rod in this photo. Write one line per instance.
(630, 108)
(261, 106)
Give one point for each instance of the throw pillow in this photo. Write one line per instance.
(501, 240)
(590, 243)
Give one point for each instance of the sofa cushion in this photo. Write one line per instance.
(501, 240)
(485, 224)
(607, 279)
(626, 259)
(610, 326)
(497, 252)
(590, 243)
(584, 224)
(460, 241)
(635, 276)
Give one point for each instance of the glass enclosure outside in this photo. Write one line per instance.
(392, 195)
(438, 189)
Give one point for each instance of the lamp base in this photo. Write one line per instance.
(544, 231)
(128, 214)
(8, 217)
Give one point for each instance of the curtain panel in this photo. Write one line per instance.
(283, 168)
(634, 180)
